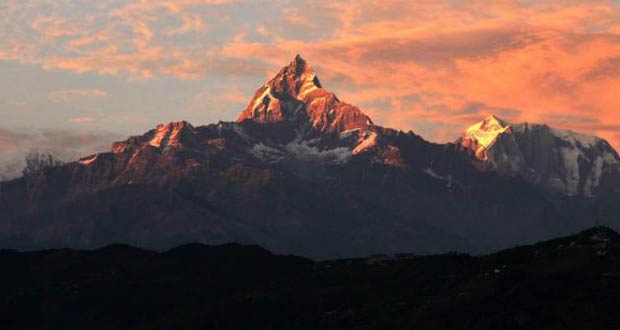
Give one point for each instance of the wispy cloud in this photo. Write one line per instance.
(71, 94)
(429, 66)
(81, 120)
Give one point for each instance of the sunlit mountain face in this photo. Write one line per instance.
(78, 76)
(241, 164)
(302, 172)
(560, 160)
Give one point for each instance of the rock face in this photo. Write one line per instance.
(303, 172)
(295, 97)
(296, 94)
(560, 161)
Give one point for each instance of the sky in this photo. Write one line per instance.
(76, 75)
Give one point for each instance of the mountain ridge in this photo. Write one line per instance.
(305, 174)
(296, 97)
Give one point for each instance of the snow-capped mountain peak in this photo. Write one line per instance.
(492, 143)
(296, 97)
(307, 79)
(559, 160)
(296, 94)
(486, 131)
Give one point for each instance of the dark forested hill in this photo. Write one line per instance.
(567, 283)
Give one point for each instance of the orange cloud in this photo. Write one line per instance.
(441, 66)
(71, 94)
(81, 120)
(434, 67)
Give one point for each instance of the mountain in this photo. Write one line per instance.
(557, 160)
(299, 172)
(566, 283)
(493, 144)
(295, 94)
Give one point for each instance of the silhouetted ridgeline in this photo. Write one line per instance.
(571, 282)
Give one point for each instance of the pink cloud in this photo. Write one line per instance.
(435, 66)
(81, 120)
(527, 63)
(71, 94)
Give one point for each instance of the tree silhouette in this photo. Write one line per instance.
(36, 161)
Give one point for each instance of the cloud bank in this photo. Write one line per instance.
(434, 67)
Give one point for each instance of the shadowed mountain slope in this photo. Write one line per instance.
(300, 172)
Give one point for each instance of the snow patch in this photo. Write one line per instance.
(369, 141)
(167, 135)
(487, 131)
(349, 133)
(301, 150)
(119, 147)
(264, 152)
(307, 86)
(304, 151)
(161, 136)
(574, 138)
(570, 157)
(594, 177)
(88, 160)
(450, 183)
(434, 175)
(259, 100)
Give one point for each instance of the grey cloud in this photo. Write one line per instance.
(608, 68)
(64, 144)
(441, 50)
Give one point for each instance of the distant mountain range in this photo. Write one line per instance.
(302, 172)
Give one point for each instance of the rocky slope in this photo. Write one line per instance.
(299, 172)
